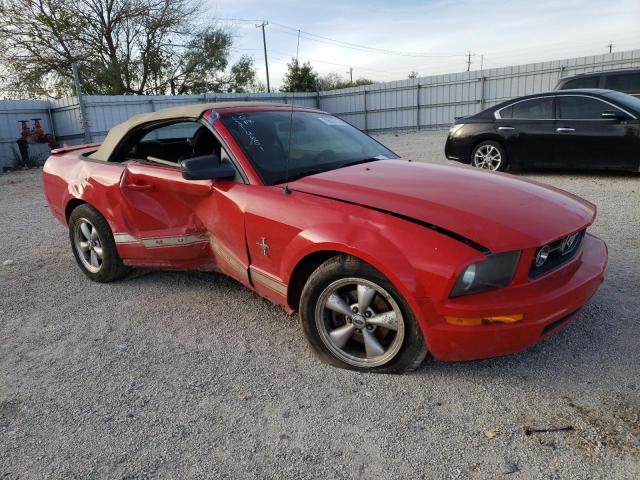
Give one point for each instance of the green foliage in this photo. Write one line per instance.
(300, 78)
(120, 46)
(333, 81)
(244, 74)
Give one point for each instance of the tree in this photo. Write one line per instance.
(333, 81)
(300, 78)
(120, 46)
(413, 74)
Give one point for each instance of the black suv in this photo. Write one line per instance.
(626, 81)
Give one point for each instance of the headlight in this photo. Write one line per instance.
(494, 272)
(454, 128)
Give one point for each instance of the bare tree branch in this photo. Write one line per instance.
(121, 47)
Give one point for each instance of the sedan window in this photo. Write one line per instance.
(625, 101)
(534, 109)
(507, 112)
(582, 108)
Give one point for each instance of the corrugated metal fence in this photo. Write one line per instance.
(426, 102)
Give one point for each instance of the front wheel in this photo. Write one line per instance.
(489, 155)
(355, 318)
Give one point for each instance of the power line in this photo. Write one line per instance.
(441, 61)
(543, 48)
(354, 46)
(327, 40)
(332, 41)
(237, 20)
(286, 56)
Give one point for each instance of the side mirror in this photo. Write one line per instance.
(612, 115)
(206, 167)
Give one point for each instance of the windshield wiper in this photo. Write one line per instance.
(358, 162)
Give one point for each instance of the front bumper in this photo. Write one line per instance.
(549, 304)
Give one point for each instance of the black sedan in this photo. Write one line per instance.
(568, 129)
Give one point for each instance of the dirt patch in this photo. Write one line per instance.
(613, 425)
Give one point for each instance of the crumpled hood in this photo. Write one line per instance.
(498, 211)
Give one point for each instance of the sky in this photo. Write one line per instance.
(429, 37)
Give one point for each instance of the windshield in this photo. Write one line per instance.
(625, 100)
(319, 142)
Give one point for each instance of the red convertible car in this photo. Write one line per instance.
(385, 259)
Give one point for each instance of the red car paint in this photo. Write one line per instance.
(421, 225)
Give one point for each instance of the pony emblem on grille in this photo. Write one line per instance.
(568, 243)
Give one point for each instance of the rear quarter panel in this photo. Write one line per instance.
(67, 177)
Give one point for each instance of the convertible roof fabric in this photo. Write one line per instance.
(186, 112)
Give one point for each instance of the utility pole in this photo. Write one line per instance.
(264, 45)
(298, 46)
(468, 61)
(83, 111)
(350, 72)
(610, 46)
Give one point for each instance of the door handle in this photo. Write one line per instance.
(565, 129)
(139, 187)
(506, 128)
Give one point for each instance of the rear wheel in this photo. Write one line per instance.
(93, 245)
(355, 318)
(489, 155)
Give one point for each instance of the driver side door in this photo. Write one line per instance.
(178, 223)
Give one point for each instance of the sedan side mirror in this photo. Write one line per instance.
(612, 115)
(206, 167)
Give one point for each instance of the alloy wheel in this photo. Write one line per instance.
(88, 245)
(359, 322)
(487, 157)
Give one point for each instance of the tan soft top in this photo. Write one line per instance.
(187, 112)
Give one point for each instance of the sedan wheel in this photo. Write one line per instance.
(359, 322)
(488, 156)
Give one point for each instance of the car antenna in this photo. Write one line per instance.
(286, 190)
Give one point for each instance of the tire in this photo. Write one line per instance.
(346, 341)
(90, 235)
(489, 155)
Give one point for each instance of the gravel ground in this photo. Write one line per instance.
(175, 375)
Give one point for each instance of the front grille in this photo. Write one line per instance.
(560, 252)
